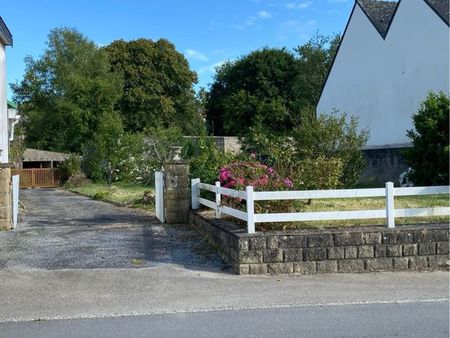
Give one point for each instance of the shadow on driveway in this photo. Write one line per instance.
(62, 230)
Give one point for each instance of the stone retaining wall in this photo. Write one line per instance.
(313, 251)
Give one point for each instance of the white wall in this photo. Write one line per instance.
(3, 108)
(383, 82)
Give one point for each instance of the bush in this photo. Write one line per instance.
(205, 159)
(93, 164)
(69, 168)
(238, 175)
(429, 155)
(317, 174)
(333, 137)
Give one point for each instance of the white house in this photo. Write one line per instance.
(392, 53)
(5, 40)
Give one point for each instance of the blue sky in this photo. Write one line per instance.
(206, 31)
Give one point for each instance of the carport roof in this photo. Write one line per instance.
(35, 155)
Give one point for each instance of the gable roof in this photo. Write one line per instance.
(5, 34)
(380, 13)
(440, 7)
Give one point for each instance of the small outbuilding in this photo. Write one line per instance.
(34, 158)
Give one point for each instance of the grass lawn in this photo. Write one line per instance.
(348, 204)
(120, 193)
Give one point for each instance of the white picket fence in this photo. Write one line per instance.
(250, 196)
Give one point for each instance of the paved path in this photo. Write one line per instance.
(61, 230)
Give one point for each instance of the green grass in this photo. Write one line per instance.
(120, 193)
(350, 204)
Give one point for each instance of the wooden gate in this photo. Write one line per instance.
(38, 178)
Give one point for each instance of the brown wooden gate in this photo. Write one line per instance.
(38, 178)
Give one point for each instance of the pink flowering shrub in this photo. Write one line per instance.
(239, 175)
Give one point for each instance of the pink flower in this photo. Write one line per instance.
(252, 155)
(288, 183)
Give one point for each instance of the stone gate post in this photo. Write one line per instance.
(5, 197)
(177, 199)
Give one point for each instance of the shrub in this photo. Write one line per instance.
(69, 168)
(101, 195)
(333, 137)
(429, 155)
(205, 159)
(238, 175)
(317, 174)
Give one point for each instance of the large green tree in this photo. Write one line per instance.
(65, 92)
(158, 86)
(429, 155)
(269, 89)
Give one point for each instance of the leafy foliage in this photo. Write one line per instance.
(333, 137)
(17, 146)
(205, 159)
(269, 87)
(157, 88)
(238, 175)
(69, 168)
(429, 155)
(65, 92)
(322, 153)
(318, 173)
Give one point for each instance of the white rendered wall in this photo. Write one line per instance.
(3, 108)
(383, 82)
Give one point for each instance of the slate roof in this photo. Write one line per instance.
(380, 13)
(441, 8)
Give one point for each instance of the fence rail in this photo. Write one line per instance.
(250, 196)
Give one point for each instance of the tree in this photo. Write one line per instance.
(255, 89)
(429, 155)
(65, 92)
(270, 89)
(333, 137)
(158, 86)
(315, 59)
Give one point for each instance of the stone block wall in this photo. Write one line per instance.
(326, 251)
(5, 198)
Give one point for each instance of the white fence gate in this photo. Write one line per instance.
(159, 196)
(15, 200)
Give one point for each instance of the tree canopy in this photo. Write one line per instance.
(157, 88)
(429, 155)
(270, 87)
(65, 91)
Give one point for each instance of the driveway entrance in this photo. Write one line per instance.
(62, 230)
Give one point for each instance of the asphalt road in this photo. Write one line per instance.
(426, 319)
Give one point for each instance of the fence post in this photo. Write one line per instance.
(250, 210)
(218, 200)
(195, 193)
(390, 209)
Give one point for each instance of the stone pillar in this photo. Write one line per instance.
(177, 197)
(5, 197)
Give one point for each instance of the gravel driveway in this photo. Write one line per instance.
(62, 230)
